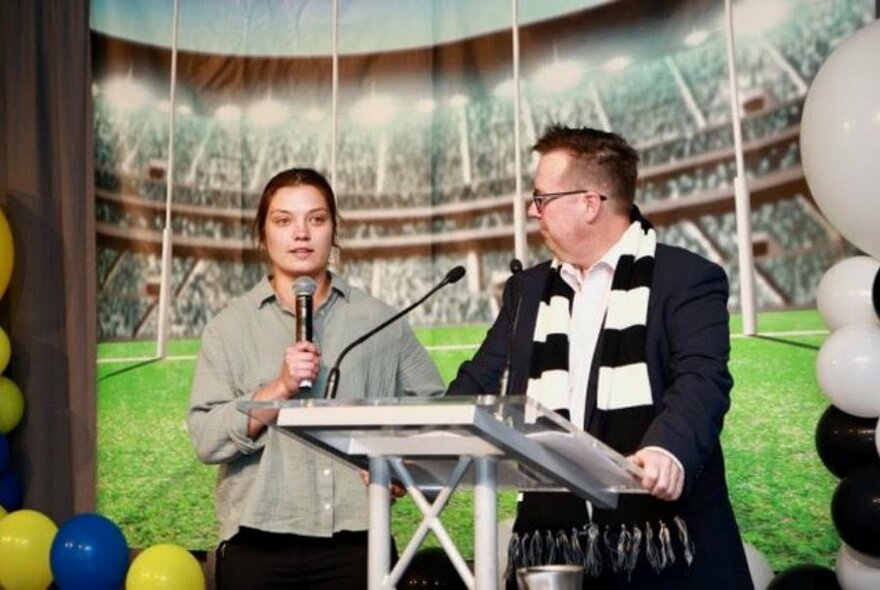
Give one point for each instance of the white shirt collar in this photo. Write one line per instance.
(575, 277)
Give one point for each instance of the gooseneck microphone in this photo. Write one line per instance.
(304, 289)
(333, 378)
(505, 384)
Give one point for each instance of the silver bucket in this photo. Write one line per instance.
(550, 577)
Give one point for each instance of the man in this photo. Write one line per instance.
(630, 338)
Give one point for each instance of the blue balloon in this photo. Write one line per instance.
(11, 491)
(4, 453)
(89, 553)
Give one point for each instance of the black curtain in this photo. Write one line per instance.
(47, 196)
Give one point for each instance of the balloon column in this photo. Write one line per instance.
(25, 535)
(840, 137)
(88, 552)
(11, 399)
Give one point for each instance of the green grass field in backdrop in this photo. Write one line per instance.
(152, 485)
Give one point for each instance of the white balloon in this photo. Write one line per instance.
(844, 293)
(840, 138)
(759, 567)
(857, 571)
(848, 369)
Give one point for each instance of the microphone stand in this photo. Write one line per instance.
(506, 381)
(333, 377)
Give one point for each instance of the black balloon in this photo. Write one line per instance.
(845, 442)
(431, 568)
(805, 577)
(855, 510)
(875, 293)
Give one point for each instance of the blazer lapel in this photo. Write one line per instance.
(521, 357)
(593, 382)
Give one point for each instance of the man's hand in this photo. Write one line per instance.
(663, 477)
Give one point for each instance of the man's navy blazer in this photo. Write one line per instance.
(687, 347)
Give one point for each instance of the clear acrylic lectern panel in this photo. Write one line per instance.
(484, 442)
(536, 448)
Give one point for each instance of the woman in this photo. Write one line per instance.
(289, 516)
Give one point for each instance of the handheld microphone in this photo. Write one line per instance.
(505, 385)
(333, 378)
(304, 288)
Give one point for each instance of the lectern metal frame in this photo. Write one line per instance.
(484, 441)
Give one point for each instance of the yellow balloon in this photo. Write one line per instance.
(165, 567)
(7, 253)
(25, 542)
(11, 405)
(5, 350)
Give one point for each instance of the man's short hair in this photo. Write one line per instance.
(605, 156)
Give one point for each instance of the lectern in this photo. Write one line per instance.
(441, 444)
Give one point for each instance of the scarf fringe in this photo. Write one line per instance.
(613, 550)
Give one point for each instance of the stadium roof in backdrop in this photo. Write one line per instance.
(208, 28)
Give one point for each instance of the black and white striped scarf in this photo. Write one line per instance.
(623, 383)
(624, 409)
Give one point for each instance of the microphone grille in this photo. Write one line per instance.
(455, 274)
(304, 286)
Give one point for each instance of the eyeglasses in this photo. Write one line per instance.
(541, 199)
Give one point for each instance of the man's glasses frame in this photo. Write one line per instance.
(541, 199)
